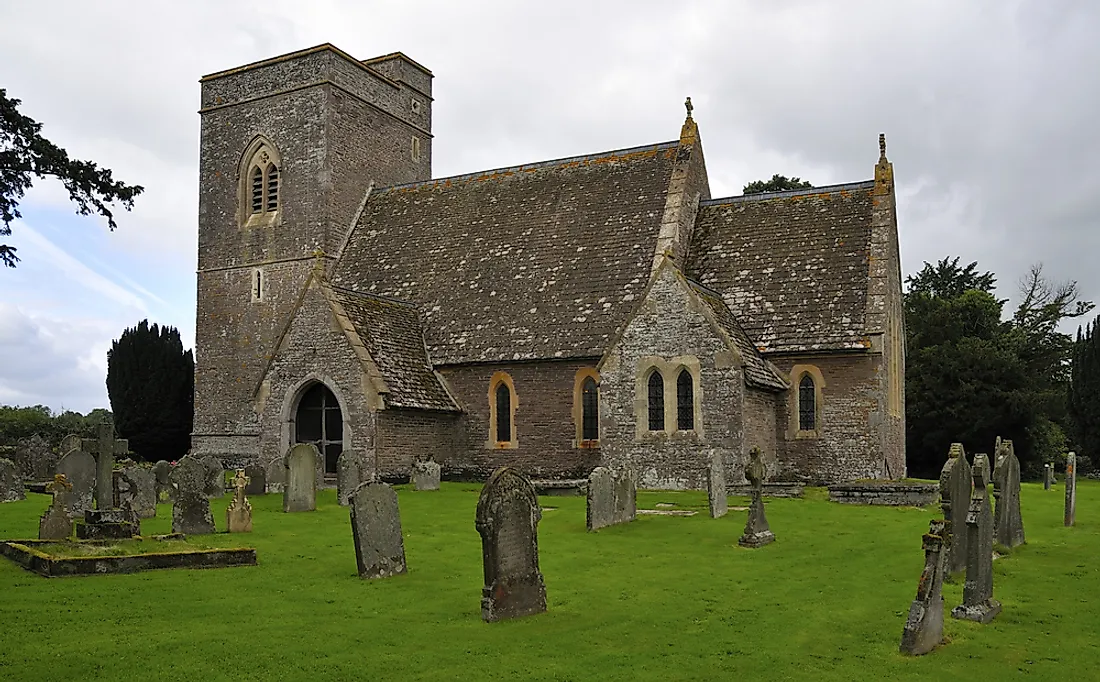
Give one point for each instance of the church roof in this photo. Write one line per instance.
(792, 266)
(758, 371)
(529, 262)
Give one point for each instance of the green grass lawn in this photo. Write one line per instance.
(664, 598)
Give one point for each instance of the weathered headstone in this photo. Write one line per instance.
(626, 495)
(162, 470)
(348, 475)
(300, 491)
(11, 482)
(275, 473)
(611, 498)
(56, 524)
(214, 486)
(238, 515)
(376, 528)
(956, 483)
(104, 447)
(79, 470)
(716, 487)
(69, 443)
(35, 459)
(978, 602)
(507, 519)
(924, 626)
(425, 475)
(1008, 522)
(137, 487)
(1071, 489)
(757, 531)
(257, 479)
(1048, 476)
(191, 508)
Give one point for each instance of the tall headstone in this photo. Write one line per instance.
(1048, 476)
(137, 487)
(238, 515)
(257, 479)
(349, 469)
(214, 486)
(191, 509)
(104, 447)
(716, 487)
(11, 482)
(956, 484)
(300, 465)
(376, 529)
(978, 602)
(425, 475)
(1071, 489)
(757, 531)
(275, 475)
(56, 524)
(924, 626)
(79, 469)
(508, 515)
(612, 498)
(1008, 522)
(162, 470)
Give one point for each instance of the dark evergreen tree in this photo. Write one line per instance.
(151, 384)
(1084, 391)
(778, 183)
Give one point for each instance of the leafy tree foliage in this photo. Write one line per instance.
(17, 423)
(1084, 391)
(151, 384)
(972, 376)
(778, 183)
(25, 155)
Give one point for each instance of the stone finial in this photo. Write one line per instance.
(689, 132)
(882, 146)
(688, 106)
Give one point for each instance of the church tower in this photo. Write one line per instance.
(289, 149)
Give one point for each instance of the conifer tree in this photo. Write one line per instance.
(1084, 391)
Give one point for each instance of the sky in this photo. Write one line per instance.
(989, 110)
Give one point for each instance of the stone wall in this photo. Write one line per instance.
(888, 494)
(760, 431)
(406, 435)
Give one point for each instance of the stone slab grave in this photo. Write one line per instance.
(11, 482)
(214, 484)
(191, 508)
(956, 484)
(79, 469)
(612, 498)
(1008, 522)
(507, 519)
(757, 531)
(104, 447)
(978, 602)
(560, 487)
(1070, 517)
(376, 530)
(349, 474)
(425, 475)
(108, 524)
(30, 555)
(716, 487)
(1048, 476)
(162, 471)
(924, 627)
(300, 490)
(56, 524)
(238, 515)
(136, 487)
(257, 480)
(790, 489)
(886, 493)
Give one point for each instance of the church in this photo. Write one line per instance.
(598, 310)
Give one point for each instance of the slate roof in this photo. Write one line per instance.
(792, 266)
(530, 262)
(758, 371)
(392, 334)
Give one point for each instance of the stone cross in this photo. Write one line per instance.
(1008, 522)
(924, 626)
(978, 602)
(104, 447)
(757, 531)
(238, 515)
(508, 515)
(956, 484)
(376, 530)
(1071, 489)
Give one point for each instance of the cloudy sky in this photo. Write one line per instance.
(989, 108)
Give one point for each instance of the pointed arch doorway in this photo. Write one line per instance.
(318, 420)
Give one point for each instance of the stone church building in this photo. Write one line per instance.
(556, 316)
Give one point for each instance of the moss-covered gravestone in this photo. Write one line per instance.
(612, 496)
(11, 482)
(191, 509)
(257, 479)
(300, 490)
(757, 531)
(137, 487)
(1071, 489)
(978, 602)
(56, 524)
(425, 475)
(924, 626)
(376, 529)
(78, 468)
(956, 484)
(349, 471)
(716, 487)
(1008, 522)
(508, 515)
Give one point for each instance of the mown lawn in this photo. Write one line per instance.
(664, 598)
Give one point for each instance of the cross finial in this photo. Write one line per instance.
(688, 106)
(882, 146)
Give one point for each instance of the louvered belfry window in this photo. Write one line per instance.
(257, 190)
(272, 188)
(590, 410)
(504, 413)
(656, 386)
(261, 193)
(807, 408)
(685, 401)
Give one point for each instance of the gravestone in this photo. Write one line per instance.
(104, 447)
(11, 482)
(757, 531)
(924, 627)
(978, 602)
(257, 480)
(376, 529)
(162, 471)
(349, 469)
(275, 473)
(956, 484)
(108, 524)
(69, 443)
(79, 470)
(214, 487)
(716, 487)
(35, 459)
(1071, 489)
(626, 495)
(1048, 476)
(56, 524)
(300, 490)
(137, 488)
(507, 519)
(238, 515)
(425, 475)
(191, 508)
(612, 496)
(1008, 522)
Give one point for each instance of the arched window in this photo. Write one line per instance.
(685, 401)
(504, 413)
(807, 407)
(259, 191)
(656, 390)
(318, 420)
(257, 284)
(590, 410)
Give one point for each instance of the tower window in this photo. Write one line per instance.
(807, 407)
(416, 149)
(685, 401)
(656, 390)
(257, 285)
(259, 189)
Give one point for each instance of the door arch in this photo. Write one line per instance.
(319, 420)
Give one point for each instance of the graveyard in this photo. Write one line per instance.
(661, 597)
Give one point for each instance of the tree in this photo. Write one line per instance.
(151, 385)
(778, 183)
(26, 155)
(1084, 391)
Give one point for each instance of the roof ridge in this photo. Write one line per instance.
(761, 196)
(531, 166)
(380, 297)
